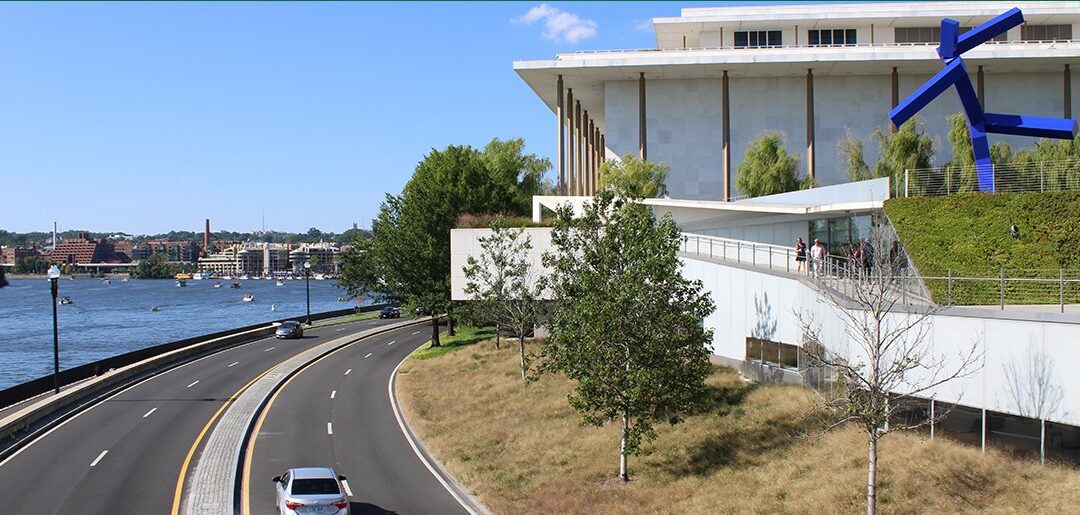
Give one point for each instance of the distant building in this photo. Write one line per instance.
(175, 251)
(83, 250)
(267, 258)
(8, 255)
(324, 257)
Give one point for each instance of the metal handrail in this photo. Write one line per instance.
(807, 45)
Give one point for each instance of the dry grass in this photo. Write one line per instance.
(521, 450)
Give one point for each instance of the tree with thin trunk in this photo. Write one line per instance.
(883, 359)
(625, 325)
(504, 284)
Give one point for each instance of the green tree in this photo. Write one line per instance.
(908, 148)
(407, 258)
(1050, 165)
(767, 168)
(626, 326)
(517, 176)
(504, 284)
(156, 266)
(850, 149)
(31, 265)
(960, 174)
(634, 178)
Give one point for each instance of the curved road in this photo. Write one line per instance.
(337, 413)
(124, 455)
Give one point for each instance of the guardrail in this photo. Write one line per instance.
(1025, 177)
(1058, 288)
(931, 44)
(103, 376)
(839, 273)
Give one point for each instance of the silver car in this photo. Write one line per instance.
(289, 329)
(312, 490)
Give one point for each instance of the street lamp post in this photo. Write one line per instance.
(54, 277)
(307, 285)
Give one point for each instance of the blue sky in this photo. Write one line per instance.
(146, 117)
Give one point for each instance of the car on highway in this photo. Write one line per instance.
(289, 329)
(311, 490)
(390, 312)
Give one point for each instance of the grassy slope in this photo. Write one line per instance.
(522, 450)
(969, 234)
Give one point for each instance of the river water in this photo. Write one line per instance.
(108, 319)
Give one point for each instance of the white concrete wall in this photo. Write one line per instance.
(466, 242)
(747, 299)
(684, 118)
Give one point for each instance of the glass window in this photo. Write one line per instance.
(1046, 32)
(320, 486)
(758, 38)
(831, 37)
(789, 356)
(753, 349)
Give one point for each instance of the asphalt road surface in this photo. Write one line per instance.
(124, 455)
(337, 413)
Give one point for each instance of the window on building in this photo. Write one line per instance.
(825, 37)
(772, 353)
(1046, 32)
(757, 38)
(928, 34)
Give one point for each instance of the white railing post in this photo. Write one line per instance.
(906, 190)
(1042, 176)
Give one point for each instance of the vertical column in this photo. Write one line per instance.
(586, 176)
(726, 150)
(979, 87)
(810, 125)
(895, 94)
(580, 136)
(592, 157)
(641, 117)
(571, 137)
(598, 156)
(560, 149)
(1068, 92)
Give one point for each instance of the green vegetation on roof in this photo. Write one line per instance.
(968, 234)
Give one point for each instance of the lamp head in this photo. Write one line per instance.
(307, 265)
(54, 272)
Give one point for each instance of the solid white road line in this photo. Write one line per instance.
(269, 349)
(347, 371)
(333, 394)
(99, 456)
(193, 384)
(368, 355)
(149, 412)
(233, 364)
(329, 428)
(391, 342)
(348, 491)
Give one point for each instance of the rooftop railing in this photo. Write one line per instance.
(1025, 177)
(808, 46)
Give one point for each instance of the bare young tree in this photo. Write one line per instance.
(884, 356)
(1032, 388)
(505, 285)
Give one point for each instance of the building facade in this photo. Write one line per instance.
(721, 77)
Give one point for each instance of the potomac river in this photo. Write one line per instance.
(105, 319)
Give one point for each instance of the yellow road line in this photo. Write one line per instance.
(179, 492)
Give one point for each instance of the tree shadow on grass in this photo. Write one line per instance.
(464, 338)
(736, 439)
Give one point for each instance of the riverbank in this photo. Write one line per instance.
(522, 449)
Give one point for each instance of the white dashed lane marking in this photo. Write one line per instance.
(417, 332)
(233, 364)
(368, 355)
(392, 342)
(149, 412)
(333, 394)
(269, 349)
(193, 384)
(329, 428)
(96, 460)
(347, 371)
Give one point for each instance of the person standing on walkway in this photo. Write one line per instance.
(817, 257)
(800, 256)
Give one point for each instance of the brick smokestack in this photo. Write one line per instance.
(206, 239)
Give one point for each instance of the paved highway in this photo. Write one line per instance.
(337, 413)
(125, 455)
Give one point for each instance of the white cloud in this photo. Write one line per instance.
(559, 25)
(643, 25)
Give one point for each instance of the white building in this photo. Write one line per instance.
(719, 77)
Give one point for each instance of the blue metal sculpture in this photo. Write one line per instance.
(980, 123)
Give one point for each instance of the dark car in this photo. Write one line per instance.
(390, 312)
(290, 329)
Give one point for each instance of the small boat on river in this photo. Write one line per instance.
(65, 301)
(248, 297)
(235, 286)
(279, 283)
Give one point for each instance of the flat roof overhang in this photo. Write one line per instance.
(586, 72)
